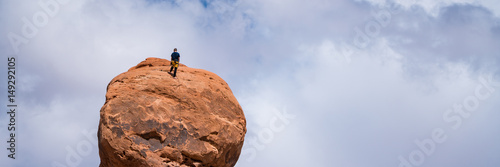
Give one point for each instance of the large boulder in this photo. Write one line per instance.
(152, 119)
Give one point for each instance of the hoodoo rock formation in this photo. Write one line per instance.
(152, 119)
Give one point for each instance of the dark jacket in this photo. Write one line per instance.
(175, 56)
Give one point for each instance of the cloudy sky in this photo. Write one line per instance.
(351, 83)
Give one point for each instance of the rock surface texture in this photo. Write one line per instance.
(152, 119)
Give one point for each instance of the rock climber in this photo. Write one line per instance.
(174, 62)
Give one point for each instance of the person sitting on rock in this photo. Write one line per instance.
(174, 61)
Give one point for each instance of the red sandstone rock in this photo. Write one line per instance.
(151, 119)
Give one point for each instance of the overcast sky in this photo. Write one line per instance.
(351, 83)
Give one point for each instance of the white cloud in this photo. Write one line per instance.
(433, 7)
